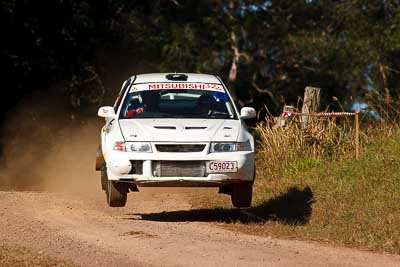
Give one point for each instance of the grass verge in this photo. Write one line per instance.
(324, 197)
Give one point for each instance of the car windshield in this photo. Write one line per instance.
(177, 103)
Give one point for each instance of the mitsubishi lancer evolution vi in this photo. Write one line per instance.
(175, 130)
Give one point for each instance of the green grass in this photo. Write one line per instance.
(306, 195)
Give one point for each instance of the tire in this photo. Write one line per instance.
(104, 178)
(242, 195)
(116, 192)
(99, 159)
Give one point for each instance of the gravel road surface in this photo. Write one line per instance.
(156, 228)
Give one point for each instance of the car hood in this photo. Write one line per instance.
(180, 130)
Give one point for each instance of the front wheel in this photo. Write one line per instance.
(116, 194)
(242, 195)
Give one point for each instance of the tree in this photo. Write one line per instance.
(266, 51)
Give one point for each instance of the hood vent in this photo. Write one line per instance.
(165, 127)
(176, 77)
(195, 128)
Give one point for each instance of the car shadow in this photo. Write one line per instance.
(293, 207)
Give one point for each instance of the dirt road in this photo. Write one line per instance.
(68, 222)
(157, 227)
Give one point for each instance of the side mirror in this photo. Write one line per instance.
(106, 112)
(247, 113)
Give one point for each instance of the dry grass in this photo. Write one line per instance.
(346, 201)
(291, 145)
(310, 187)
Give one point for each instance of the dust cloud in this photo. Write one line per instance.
(45, 146)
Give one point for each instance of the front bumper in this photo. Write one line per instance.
(119, 164)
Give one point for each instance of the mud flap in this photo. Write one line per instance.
(225, 189)
(133, 188)
(228, 189)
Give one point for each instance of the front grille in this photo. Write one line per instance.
(178, 168)
(180, 147)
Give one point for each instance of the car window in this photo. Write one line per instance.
(118, 101)
(177, 103)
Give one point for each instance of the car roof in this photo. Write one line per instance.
(161, 77)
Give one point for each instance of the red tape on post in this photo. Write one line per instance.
(319, 114)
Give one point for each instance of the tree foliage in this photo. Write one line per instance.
(266, 51)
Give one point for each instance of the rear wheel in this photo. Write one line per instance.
(242, 195)
(99, 159)
(104, 178)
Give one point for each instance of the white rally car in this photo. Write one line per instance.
(175, 130)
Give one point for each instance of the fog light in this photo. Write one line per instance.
(121, 167)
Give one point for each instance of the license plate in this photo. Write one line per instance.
(222, 166)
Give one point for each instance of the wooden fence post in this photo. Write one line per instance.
(357, 133)
(311, 102)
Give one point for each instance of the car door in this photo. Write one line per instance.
(109, 121)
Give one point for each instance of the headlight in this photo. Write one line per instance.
(133, 146)
(222, 147)
(138, 146)
(230, 147)
(243, 146)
